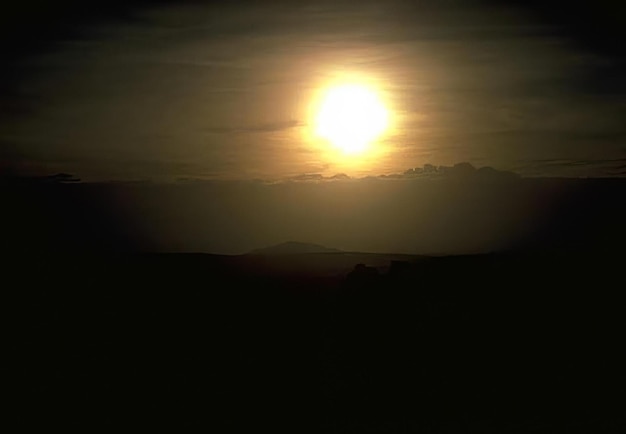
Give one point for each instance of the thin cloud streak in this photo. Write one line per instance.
(261, 128)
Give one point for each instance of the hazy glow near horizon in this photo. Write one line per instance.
(351, 117)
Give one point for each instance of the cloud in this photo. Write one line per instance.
(460, 171)
(572, 168)
(464, 171)
(269, 127)
(59, 178)
(307, 177)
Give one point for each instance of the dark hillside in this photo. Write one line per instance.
(489, 343)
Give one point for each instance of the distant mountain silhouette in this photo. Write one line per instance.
(293, 247)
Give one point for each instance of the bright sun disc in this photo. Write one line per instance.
(350, 117)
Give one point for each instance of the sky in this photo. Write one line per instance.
(166, 91)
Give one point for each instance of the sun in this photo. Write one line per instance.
(350, 117)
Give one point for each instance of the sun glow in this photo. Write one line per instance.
(350, 117)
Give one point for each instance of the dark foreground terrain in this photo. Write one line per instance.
(528, 342)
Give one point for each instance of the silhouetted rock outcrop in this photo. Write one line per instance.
(362, 274)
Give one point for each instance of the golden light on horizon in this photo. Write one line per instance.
(350, 117)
